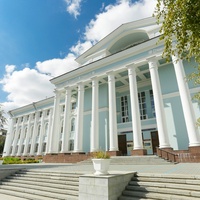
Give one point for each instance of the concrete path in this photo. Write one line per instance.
(192, 169)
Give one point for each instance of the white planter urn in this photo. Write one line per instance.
(1, 162)
(101, 166)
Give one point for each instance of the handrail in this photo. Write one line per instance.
(167, 154)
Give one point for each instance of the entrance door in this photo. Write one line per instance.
(155, 141)
(122, 144)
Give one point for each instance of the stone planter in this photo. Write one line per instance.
(101, 166)
(1, 162)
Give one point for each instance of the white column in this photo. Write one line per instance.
(112, 113)
(15, 138)
(27, 136)
(78, 142)
(33, 140)
(9, 138)
(54, 140)
(41, 137)
(136, 123)
(49, 131)
(66, 124)
(190, 120)
(94, 140)
(21, 140)
(159, 107)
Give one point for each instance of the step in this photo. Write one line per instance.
(60, 184)
(164, 184)
(154, 195)
(164, 190)
(67, 189)
(24, 195)
(28, 179)
(38, 192)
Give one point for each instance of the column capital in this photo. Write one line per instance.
(131, 66)
(95, 78)
(152, 62)
(80, 86)
(109, 73)
(67, 88)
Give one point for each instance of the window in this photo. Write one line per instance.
(22, 150)
(73, 105)
(11, 148)
(142, 105)
(124, 109)
(73, 125)
(25, 133)
(60, 146)
(19, 134)
(22, 119)
(39, 127)
(34, 116)
(46, 129)
(36, 148)
(16, 120)
(61, 128)
(31, 132)
(40, 114)
(152, 103)
(16, 150)
(29, 148)
(44, 147)
(71, 145)
(48, 112)
(27, 118)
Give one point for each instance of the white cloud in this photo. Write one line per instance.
(25, 86)
(73, 7)
(57, 66)
(114, 15)
(110, 18)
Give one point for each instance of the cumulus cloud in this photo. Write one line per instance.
(25, 86)
(112, 16)
(73, 7)
(57, 66)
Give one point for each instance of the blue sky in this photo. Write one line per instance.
(39, 39)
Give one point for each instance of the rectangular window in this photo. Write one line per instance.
(36, 148)
(73, 105)
(152, 103)
(124, 109)
(44, 147)
(48, 112)
(29, 148)
(142, 105)
(40, 114)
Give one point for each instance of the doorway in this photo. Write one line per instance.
(154, 141)
(122, 144)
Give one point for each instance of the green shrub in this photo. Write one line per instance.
(13, 160)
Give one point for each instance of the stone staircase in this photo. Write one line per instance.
(133, 160)
(155, 186)
(41, 185)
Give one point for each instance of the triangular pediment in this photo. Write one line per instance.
(125, 36)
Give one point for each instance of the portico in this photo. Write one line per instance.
(124, 98)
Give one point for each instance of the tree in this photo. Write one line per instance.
(180, 22)
(3, 120)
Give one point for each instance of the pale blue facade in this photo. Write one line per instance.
(133, 44)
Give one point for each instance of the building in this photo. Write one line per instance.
(124, 98)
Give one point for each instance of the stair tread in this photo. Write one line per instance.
(61, 189)
(154, 195)
(36, 192)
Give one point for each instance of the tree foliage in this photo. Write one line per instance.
(3, 120)
(180, 21)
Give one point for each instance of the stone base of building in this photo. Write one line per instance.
(192, 155)
(114, 153)
(139, 152)
(65, 157)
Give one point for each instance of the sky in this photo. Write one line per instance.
(40, 39)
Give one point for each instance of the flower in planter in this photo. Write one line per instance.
(100, 155)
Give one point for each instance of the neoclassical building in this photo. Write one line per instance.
(124, 98)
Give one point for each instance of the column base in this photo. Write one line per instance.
(195, 149)
(139, 152)
(114, 153)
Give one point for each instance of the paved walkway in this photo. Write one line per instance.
(190, 169)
